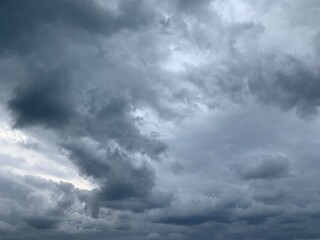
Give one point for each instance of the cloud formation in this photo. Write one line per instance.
(143, 119)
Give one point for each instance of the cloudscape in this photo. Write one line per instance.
(159, 119)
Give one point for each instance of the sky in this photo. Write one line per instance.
(159, 119)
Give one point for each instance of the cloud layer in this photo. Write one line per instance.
(144, 119)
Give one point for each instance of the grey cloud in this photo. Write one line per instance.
(105, 119)
(219, 209)
(109, 117)
(269, 180)
(191, 220)
(290, 85)
(177, 236)
(253, 214)
(35, 202)
(259, 214)
(122, 184)
(254, 219)
(42, 223)
(101, 122)
(44, 100)
(90, 160)
(270, 193)
(279, 78)
(192, 6)
(263, 167)
(153, 236)
(19, 193)
(21, 21)
(97, 78)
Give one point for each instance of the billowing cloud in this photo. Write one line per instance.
(42, 101)
(289, 84)
(23, 24)
(143, 119)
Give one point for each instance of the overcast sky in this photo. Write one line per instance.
(159, 119)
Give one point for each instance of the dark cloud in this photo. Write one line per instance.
(41, 223)
(103, 142)
(109, 116)
(223, 210)
(270, 193)
(263, 167)
(122, 179)
(22, 23)
(38, 203)
(192, 219)
(177, 115)
(43, 100)
(122, 184)
(290, 85)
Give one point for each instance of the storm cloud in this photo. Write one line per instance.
(146, 119)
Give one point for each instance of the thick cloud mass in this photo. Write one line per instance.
(43, 101)
(21, 21)
(293, 85)
(147, 119)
